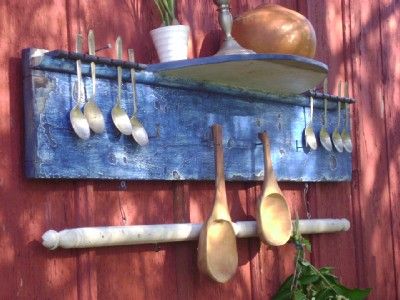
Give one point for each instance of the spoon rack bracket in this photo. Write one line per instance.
(177, 112)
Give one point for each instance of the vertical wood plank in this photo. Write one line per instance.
(28, 208)
(389, 14)
(86, 264)
(204, 29)
(373, 190)
(269, 266)
(185, 253)
(332, 200)
(133, 23)
(147, 271)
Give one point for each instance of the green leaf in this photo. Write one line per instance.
(305, 280)
(167, 10)
(286, 284)
(299, 295)
(326, 270)
(282, 295)
(331, 278)
(306, 244)
(324, 294)
(352, 294)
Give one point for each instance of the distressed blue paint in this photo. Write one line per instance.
(178, 121)
(57, 61)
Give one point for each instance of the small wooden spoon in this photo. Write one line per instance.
(274, 223)
(217, 251)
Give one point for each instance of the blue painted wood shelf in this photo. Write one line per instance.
(177, 103)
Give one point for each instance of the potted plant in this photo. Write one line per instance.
(171, 39)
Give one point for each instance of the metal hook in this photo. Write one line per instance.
(108, 46)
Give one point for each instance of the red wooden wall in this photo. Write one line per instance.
(358, 39)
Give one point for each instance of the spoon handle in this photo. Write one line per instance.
(119, 68)
(269, 175)
(325, 101)
(346, 105)
(220, 195)
(311, 109)
(92, 51)
(131, 55)
(79, 41)
(339, 103)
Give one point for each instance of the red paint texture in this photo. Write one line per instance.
(359, 40)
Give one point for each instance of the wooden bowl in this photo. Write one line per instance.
(271, 28)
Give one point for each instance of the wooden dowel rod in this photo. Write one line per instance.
(88, 237)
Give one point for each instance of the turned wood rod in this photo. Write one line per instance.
(88, 237)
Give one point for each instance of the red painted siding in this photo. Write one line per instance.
(358, 39)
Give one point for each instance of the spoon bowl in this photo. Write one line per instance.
(91, 111)
(347, 144)
(274, 224)
(78, 121)
(94, 116)
(325, 139)
(138, 131)
(311, 140)
(121, 120)
(337, 140)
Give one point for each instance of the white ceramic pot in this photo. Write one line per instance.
(171, 42)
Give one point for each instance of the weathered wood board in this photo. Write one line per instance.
(178, 121)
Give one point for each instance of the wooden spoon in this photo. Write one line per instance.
(274, 224)
(217, 252)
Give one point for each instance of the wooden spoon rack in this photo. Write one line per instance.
(177, 104)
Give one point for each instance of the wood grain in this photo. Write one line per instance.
(373, 186)
(359, 41)
(332, 199)
(27, 208)
(389, 14)
(54, 151)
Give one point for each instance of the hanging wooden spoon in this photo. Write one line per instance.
(274, 223)
(217, 251)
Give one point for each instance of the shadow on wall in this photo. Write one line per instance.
(30, 207)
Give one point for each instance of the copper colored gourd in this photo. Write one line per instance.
(271, 28)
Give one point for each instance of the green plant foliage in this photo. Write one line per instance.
(309, 283)
(167, 11)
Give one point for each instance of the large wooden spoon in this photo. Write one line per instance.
(217, 252)
(274, 224)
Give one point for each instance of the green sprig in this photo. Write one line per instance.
(167, 11)
(309, 282)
